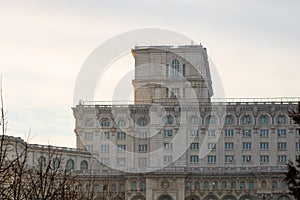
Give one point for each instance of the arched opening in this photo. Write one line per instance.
(192, 197)
(165, 197)
(138, 197)
(229, 197)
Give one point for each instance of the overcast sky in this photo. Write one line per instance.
(255, 47)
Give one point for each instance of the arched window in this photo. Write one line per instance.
(211, 120)
(206, 185)
(70, 165)
(105, 122)
(83, 165)
(264, 119)
(42, 162)
(89, 123)
(168, 119)
(194, 119)
(242, 185)
(87, 187)
(281, 119)
(274, 184)
(55, 163)
(284, 198)
(122, 188)
(143, 121)
(197, 185)
(246, 119)
(96, 187)
(283, 184)
(133, 185)
(143, 186)
(229, 120)
(175, 68)
(113, 187)
(264, 184)
(121, 123)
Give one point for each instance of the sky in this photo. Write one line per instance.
(254, 45)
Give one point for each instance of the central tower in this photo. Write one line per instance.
(167, 74)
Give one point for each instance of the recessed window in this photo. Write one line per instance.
(195, 133)
(167, 159)
(211, 146)
(105, 122)
(247, 159)
(133, 185)
(88, 135)
(211, 133)
(228, 120)
(224, 184)
(247, 133)
(194, 159)
(84, 165)
(105, 161)
(89, 123)
(121, 135)
(229, 133)
(121, 148)
(246, 119)
(251, 185)
(168, 119)
(105, 135)
(264, 119)
(211, 120)
(56, 163)
(143, 135)
(264, 159)
(281, 132)
(264, 146)
(143, 148)
(229, 145)
(242, 185)
(264, 133)
(168, 133)
(143, 186)
(197, 185)
(282, 158)
(175, 92)
(247, 145)
(233, 184)
(274, 184)
(143, 121)
(121, 123)
(281, 145)
(42, 162)
(229, 158)
(70, 165)
(194, 146)
(142, 161)
(168, 146)
(194, 120)
(281, 119)
(211, 159)
(175, 68)
(121, 161)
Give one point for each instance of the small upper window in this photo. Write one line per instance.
(211, 120)
(246, 119)
(194, 119)
(121, 123)
(70, 165)
(175, 68)
(42, 162)
(264, 119)
(143, 121)
(229, 120)
(168, 119)
(281, 119)
(105, 122)
(84, 165)
(89, 123)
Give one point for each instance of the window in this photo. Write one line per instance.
(183, 92)
(264, 145)
(183, 70)
(211, 133)
(211, 159)
(228, 120)
(282, 159)
(121, 161)
(206, 185)
(89, 147)
(142, 121)
(246, 159)
(246, 119)
(133, 185)
(168, 133)
(233, 184)
(56, 163)
(251, 185)
(104, 148)
(247, 145)
(247, 133)
(96, 187)
(215, 185)
(229, 133)
(122, 187)
(211, 146)
(264, 159)
(121, 123)
(197, 185)
(281, 145)
(105, 135)
(264, 133)
(121, 148)
(281, 132)
(195, 133)
(88, 136)
(297, 146)
(242, 185)
(283, 184)
(113, 187)
(167, 70)
(89, 123)
(224, 184)
(84, 165)
(143, 186)
(297, 132)
(143, 135)
(194, 120)
(274, 184)
(175, 68)
(168, 119)
(281, 119)
(142, 161)
(263, 184)
(143, 148)
(121, 135)
(42, 162)
(167, 92)
(105, 160)
(264, 119)
(168, 146)
(70, 165)
(229, 145)
(229, 158)
(105, 122)
(194, 146)
(175, 92)
(211, 120)
(167, 159)
(194, 159)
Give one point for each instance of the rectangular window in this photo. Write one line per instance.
(281, 145)
(211, 159)
(104, 148)
(195, 133)
(194, 146)
(247, 133)
(183, 70)
(121, 135)
(229, 158)
(251, 185)
(274, 184)
(167, 92)
(211, 133)
(229, 145)
(247, 145)
(105, 135)
(175, 92)
(264, 159)
(264, 145)
(246, 159)
(89, 147)
(121, 161)
(121, 148)
(167, 159)
(264, 133)
(194, 159)
(143, 148)
(143, 135)
(297, 132)
(282, 158)
(281, 132)
(104, 160)
(233, 184)
(211, 146)
(167, 71)
(183, 92)
(168, 133)
(229, 133)
(168, 146)
(88, 136)
(142, 161)
(297, 144)
(224, 185)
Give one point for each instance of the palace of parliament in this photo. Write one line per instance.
(175, 142)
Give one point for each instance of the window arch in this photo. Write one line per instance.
(121, 123)
(70, 165)
(143, 121)
(133, 185)
(284, 197)
(264, 119)
(143, 185)
(113, 187)
(105, 122)
(122, 187)
(192, 197)
(211, 119)
(168, 119)
(56, 163)
(84, 165)
(175, 68)
(89, 123)
(197, 185)
(42, 162)
(229, 120)
(246, 119)
(281, 119)
(194, 119)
